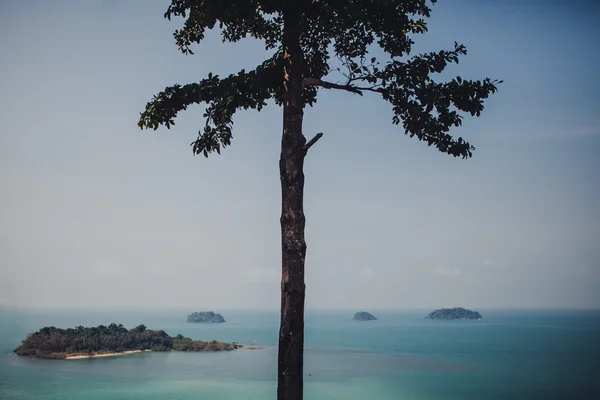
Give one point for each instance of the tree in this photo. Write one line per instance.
(303, 35)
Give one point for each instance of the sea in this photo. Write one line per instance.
(509, 354)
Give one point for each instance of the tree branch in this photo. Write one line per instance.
(312, 141)
(328, 85)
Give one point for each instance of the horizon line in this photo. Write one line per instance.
(273, 309)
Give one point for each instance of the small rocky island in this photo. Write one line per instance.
(205, 317)
(453, 313)
(364, 316)
(112, 340)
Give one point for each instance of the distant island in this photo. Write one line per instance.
(112, 340)
(364, 316)
(207, 317)
(453, 313)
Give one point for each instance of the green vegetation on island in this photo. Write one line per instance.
(56, 343)
(453, 313)
(364, 316)
(207, 317)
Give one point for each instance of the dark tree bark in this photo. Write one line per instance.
(293, 246)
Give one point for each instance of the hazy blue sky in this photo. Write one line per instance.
(97, 213)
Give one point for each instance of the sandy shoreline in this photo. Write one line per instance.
(80, 357)
(250, 347)
(85, 356)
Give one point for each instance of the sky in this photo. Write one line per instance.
(96, 213)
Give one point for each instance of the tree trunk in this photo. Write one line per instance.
(293, 246)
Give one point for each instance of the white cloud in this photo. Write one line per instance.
(446, 270)
(487, 262)
(115, 270)
(584, 129)
(583, 269)
(494, 262)
(262, 275)
(366, 273)
(106, 269)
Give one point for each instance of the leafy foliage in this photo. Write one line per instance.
(453, 313)
(51, 342)
(181, 343)
(364, 316)
(344, 30)
(205, 317)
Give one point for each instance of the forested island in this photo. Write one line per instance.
(207, 317)
(364, 316)
(453, 313)
(80, 342)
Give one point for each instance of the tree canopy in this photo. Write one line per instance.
(336, 37)
(365, 43)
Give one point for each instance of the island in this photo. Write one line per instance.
(112, 340)
(453, 313)
(206, 317)
(364, 316)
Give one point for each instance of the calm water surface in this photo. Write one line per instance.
(507, 355)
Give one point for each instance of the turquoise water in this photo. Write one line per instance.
(507, 355)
